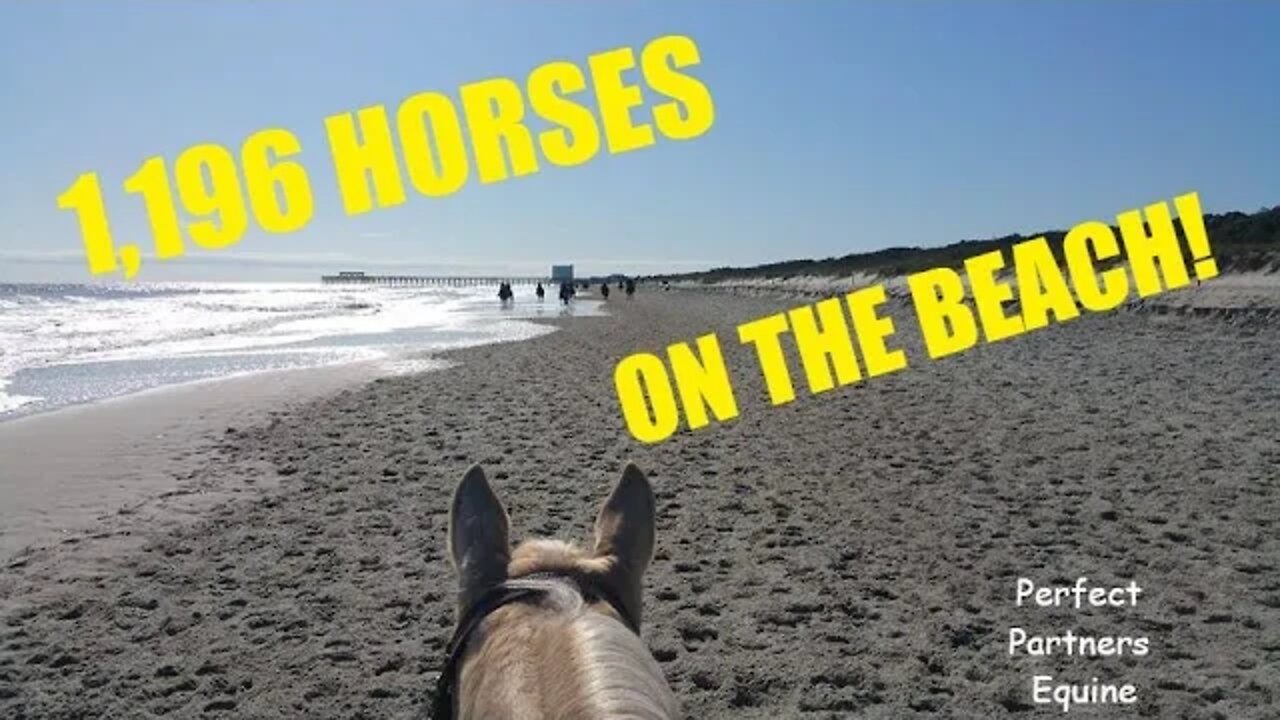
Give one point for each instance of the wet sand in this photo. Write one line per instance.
(853, 554)
(73, 469)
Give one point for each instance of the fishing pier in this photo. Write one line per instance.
(359, 278)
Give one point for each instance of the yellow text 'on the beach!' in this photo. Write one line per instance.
(561, 114)
(845, 340)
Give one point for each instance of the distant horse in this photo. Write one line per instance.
(549, 630)
(566, 292)
(505, 293)
(604, 290)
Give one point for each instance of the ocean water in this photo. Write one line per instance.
(66, 344)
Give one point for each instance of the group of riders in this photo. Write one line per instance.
(568, 290)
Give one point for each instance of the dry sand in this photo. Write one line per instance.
(853, 554)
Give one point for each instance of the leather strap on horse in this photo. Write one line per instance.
(443, 702)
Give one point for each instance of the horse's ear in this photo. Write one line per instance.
(478, 536)
(625, 525)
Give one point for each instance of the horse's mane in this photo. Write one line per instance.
(605, 670)
(623, 679)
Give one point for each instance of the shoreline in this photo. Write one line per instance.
(853, 552)
(131, 450)
(300, 327)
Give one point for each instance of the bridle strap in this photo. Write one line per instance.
(491, 601)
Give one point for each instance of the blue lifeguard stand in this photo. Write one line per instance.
(562, 273)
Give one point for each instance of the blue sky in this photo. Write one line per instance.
(840, 126)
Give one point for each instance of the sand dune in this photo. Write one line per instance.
(853, 554)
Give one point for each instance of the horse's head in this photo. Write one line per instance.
(550, 629)
(614, 565)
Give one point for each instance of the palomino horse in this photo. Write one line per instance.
(551, 631)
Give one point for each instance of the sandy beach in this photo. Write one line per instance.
(853, 554)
